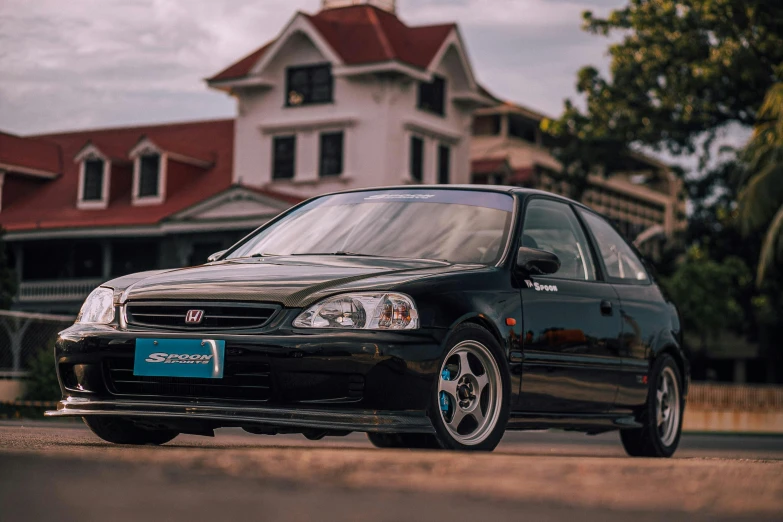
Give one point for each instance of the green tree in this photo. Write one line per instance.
(761, 199)
(42, 383)
(683, 70)
(8, 285)
(709, 294)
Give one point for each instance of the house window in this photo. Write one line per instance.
(331, 163)
(149, 175)
(432, 96)
(283, 157)
(93, 180)
(417, 159)
(309, 85)
(444, 164)
(486, 125)
(522, 128)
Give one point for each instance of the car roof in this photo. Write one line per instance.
(505, 189)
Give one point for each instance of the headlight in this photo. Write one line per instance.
(98, 308)
(365, 311)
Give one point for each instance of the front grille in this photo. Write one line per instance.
(216, 316)
(246, 381)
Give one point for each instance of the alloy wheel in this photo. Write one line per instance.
(667, 411)
(470, 392)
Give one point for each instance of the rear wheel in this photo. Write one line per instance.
(662, 416)
(469, 409)
(121, 431)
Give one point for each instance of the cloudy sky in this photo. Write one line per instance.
(94, 63)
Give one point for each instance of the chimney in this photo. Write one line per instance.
(386, 5)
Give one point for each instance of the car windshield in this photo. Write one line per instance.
(458, 226)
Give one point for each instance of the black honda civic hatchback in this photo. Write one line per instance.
(427, 317)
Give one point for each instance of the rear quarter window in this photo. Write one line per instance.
(620, 260)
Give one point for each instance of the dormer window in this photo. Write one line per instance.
(149, 173)
(309, 85)
(93, 180)
(432, 96)
(94, 170)
(149, 176)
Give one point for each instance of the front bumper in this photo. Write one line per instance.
(343, 381)
(224, 415)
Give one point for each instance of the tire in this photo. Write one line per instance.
(121, 431)
(404, 440)
(475, 387)
(659, 435)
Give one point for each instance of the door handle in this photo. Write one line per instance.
(606, 308)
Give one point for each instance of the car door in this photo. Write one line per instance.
(642, 307)
(571, 319)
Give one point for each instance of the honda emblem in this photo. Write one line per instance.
(194, 316)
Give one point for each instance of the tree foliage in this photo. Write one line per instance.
(682, 70)
(708, 293)
(761, 199)
(42, 383)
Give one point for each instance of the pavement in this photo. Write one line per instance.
(60, 470)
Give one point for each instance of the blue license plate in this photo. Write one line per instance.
(179, 358)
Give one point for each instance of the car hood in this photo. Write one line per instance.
(290, 281)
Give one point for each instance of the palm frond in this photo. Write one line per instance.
(771, 112)
(772, 248)
(761, 192)
(761, 197)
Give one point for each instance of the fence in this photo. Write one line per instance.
(712, 397)
(732, 408)
(23, 335)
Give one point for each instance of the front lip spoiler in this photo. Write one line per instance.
(351, 420)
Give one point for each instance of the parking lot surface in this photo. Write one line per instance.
(60, 470)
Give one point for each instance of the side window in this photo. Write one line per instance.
(553, 227)
(620, 260)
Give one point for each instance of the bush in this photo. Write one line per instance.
(42, 382)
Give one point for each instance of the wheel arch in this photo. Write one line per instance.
(674, 351)
(484, 322)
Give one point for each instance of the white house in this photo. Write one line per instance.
(353, 97)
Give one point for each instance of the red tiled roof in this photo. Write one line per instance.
(523, 175)
(27, 153)
(243, 66)
(53, 205)
(179, 143)
(274, 194)
(383, 37)
(488, 165)
(109, 148)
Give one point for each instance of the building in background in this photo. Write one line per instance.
(349, 97)
(83, 207)
(352, 97)
(646, 201)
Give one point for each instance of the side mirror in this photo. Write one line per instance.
(216, 256)
(537, 262)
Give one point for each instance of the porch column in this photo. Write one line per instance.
(504, 125)
(106, 250)
(19, 255)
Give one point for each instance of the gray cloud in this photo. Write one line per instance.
(90, 63)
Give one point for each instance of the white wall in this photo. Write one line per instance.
(378, 115)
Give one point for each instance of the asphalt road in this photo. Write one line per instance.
(60, 471)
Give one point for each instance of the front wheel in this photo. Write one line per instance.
(662, 417)
(121, 431)
(469, 408)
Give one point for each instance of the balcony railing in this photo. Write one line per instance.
(60, 290)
